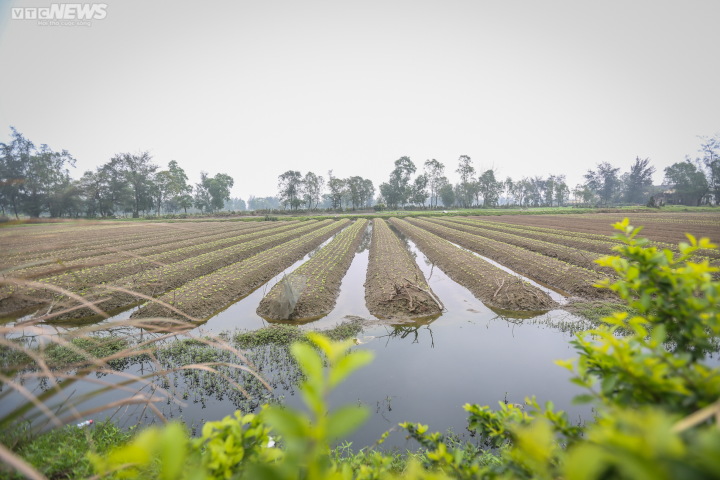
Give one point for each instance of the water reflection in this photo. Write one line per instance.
(404, 331)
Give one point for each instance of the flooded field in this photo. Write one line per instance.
(469, 350)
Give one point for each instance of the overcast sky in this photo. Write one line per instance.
(255, 88)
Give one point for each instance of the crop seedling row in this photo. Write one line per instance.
(323, 274)
(206, 294)
(395, 285)
(490, 284)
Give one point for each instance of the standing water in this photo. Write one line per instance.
(424, 370)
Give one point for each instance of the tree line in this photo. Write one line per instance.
(309, 191)
(36, 181)
(690, 182)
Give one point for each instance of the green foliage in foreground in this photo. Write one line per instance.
(656, 401)
(61, 452)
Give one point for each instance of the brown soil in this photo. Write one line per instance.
(654, 228)
(205, 295)
(395, 286)
(156, 273)
(323, 272)
(560, 248)
(144, 248)
(64, 245)
(550, 271)
(490, 284)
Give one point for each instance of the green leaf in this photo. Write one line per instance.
(659, 334)
(345, 420)
(581, 399)
(348, 364)
(308, 359)
(291, 424)
(173, 448)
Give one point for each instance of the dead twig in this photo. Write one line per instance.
(437, 301)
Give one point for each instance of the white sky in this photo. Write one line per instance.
(254, 88)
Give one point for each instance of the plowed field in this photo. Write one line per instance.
(490, 284)
(202, 267)
(660, 227)
(204, 295)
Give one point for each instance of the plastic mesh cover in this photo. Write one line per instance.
(290, 290)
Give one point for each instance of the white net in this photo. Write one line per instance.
(290, 290)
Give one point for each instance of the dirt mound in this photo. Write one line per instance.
(394, 285)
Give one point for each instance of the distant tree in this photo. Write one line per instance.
(13, 170)
(336, 187)
(639, 179)
(551, 186)
(219, 189)
(710, 150)
(184, 201)
(201, 197)
(355, 188)
(604, 181)
(46, 177)
(536, 190)
(367, 192)
(313, 186)
(116, 193)
(419, 193)
(289, 187)
(466, 172)
(179, 178)
(522, 190)
(434, 171)
(562, 192)
(550, 191)
(397, 190)
(489, 188)
(138, 171)
(447, 195)
(509, 188)
(689, 183)
(583, 193)
(163, 184)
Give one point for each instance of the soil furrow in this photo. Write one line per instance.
(140, 274)
(670, 233)
(145, 248)
(551, 271)
(491, 285)
(205, 295)
(395, 286)
(73, 248)
(557, 249)
(321, 275)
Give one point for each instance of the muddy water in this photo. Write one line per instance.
(424, 371)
